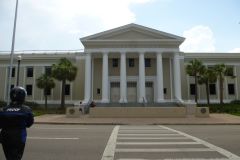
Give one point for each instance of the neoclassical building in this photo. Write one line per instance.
(128, 64)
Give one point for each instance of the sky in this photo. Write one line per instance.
(207, 25)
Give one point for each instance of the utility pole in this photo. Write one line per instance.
(11, 56)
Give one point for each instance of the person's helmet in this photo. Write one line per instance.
(18, 94)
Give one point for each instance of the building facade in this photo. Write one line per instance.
(128, 64)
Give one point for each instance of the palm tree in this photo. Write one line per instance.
(207, 76)
(222, 70)
(45, 82)
(64, 71)
(195, 68)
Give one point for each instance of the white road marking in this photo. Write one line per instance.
(58, 128)
(157, 143)
(53, 138)
(175, 159)
(109, 151)
(211, 146)
(152, 138)
(166, 150)
(148, 134)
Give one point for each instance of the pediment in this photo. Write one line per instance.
(132, 32)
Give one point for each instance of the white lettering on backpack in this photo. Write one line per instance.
(13, 109)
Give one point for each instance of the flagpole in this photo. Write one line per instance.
(11, 56)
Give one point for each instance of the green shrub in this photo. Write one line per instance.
(2, 104)
(235, 102)
(223, 108)
(32, 105)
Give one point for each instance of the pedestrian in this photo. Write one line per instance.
(14, 119)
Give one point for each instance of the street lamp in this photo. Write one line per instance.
(19, 58)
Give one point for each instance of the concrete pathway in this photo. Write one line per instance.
(216, 119)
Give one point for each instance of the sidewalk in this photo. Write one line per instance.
(214, 119)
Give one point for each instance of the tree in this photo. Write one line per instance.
(64, 71)
(195, 68)
(206, 77)
(45, 82)
(222, 70)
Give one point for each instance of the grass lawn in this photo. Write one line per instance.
(39, 112)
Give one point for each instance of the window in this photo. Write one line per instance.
(29, 89)
(147, 62)
(98, 91)
(192, 89)
(29, 71)
(231, 89)
(131, 62)
(229, 71)
(165, 90)
(67, 89)
(212, 89)
(115, 62)
(12, 86)
(47, 92)
(48, 70)
(13, 71)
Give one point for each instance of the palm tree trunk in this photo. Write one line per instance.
(221, 89)
(196, 90)
(46, 107)
(207, 91)
(63, 94)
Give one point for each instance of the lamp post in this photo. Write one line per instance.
(19, 58)
(12, 52)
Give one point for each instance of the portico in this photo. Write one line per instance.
(118, 59)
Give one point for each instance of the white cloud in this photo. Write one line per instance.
(235, 50)
(198, 39)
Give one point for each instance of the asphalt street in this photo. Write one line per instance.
(101, 142)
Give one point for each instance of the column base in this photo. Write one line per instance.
(142, 100)
(160, 100)
(105, 101)
(123, 101)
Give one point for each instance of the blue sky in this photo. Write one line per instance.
(207, 25)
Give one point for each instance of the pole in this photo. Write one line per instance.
(19, 60)
(11, 56)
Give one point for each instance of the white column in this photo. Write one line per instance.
(142, 89)
(177, 77)
(105, 98)
(123, 79)
(160, 96)
(88, 81)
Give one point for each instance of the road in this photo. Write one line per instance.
(101, 142)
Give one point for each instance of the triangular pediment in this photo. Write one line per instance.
(132, 32)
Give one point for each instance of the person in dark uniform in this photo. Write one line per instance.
(14, 119)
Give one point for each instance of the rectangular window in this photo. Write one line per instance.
(131, 62)
(192, 89)
(165, 90)
(29, 89)
(98, 91)
(147, 62)
(115, 62)
(48, 92)
(231, 89)
(29, 71)
(229, 71)
(48, 70)
(13, 71)
(212, 89)
(67, 89)
(12, 86)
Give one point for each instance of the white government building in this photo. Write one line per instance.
(128, 64)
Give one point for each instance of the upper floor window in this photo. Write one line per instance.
(29, 71)
(229, 71)
(115, 62)
(231, 89)
(48, 70)
(131, 62)
(147, 62)
(192, 89)
(13, 71)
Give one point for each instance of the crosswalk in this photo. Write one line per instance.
(160, 143)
